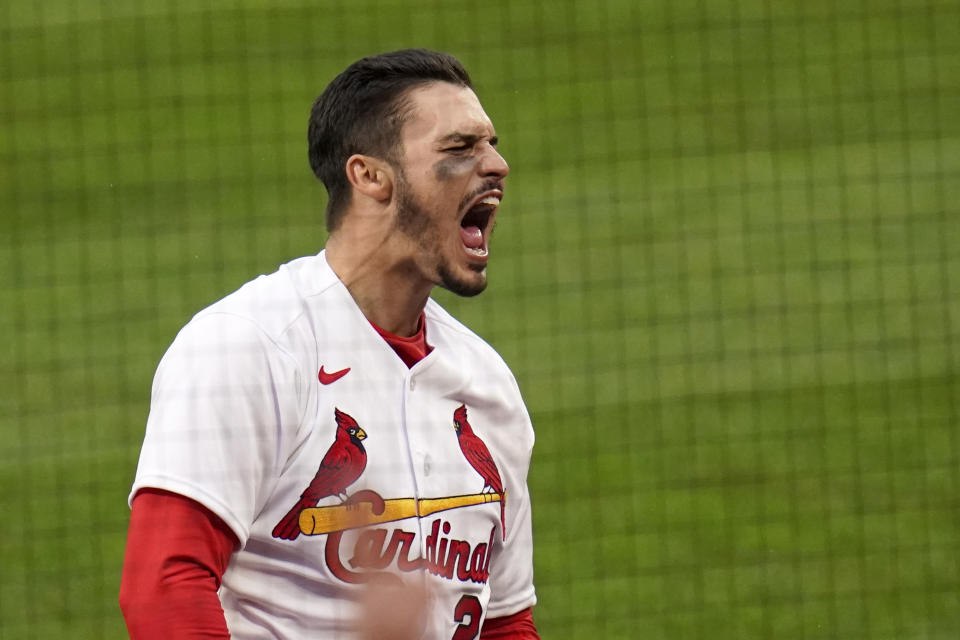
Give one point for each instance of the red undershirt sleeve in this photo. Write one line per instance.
(518, 626)
(177, 551)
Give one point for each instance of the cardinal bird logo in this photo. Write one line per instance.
(343, 463)
(477, 454)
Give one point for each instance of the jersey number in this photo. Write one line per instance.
(468, 607)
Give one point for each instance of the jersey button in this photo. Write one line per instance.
(413, 384)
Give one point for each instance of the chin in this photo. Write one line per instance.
(469, 286)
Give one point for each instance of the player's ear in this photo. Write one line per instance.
(370, 176)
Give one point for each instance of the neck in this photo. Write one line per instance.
(386, 285)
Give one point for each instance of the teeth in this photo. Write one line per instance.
(479, 251)
(494, 200)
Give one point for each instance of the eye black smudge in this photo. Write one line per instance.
(448, 168)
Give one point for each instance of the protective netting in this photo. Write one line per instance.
(726, 275)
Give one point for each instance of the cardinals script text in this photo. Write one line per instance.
(377, 549)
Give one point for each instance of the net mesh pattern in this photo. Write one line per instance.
(726, 275)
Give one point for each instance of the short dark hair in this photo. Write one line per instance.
(363, 111)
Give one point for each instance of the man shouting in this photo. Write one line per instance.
(299, 454)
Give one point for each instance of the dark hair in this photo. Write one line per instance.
(363, 111)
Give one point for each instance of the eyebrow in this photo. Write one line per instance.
(467, 138)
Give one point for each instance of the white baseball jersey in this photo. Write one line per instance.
(281, 410)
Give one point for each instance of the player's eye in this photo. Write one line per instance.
(458, 148)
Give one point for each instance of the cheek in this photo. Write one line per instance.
(452, 168)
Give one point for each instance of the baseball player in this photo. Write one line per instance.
(328, 427)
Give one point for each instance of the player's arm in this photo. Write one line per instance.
(511, 579)
(177, 551)
(512, 595)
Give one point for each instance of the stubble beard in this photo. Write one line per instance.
(415, 223)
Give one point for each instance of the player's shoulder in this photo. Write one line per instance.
(272, 303)
(443, 322)
(492, 384)
(443, 327)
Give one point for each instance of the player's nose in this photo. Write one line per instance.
(494, 164)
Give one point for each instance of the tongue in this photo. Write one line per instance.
(472, 237)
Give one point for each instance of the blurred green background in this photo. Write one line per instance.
(726, 275)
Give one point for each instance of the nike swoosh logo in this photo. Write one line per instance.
(329, 378)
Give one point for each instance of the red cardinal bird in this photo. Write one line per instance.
(480, 459)
(343, 463)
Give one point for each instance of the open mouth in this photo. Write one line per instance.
(477, 221)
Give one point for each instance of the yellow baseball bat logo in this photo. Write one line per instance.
(367, 507)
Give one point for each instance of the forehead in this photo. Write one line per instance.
(440, 109)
